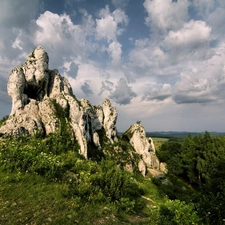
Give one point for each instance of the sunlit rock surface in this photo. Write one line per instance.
(144, 146)
(36, 90)
(43, 102)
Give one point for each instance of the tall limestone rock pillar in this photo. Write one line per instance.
(144, 146)
(38, 93)
(43, 101)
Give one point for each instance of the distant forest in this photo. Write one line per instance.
(171, 134)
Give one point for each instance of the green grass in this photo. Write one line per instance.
(31, 199)
(45, 181)
(158, 141)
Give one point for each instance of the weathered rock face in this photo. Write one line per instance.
(144, 146)
(43, 100)
(36, 92)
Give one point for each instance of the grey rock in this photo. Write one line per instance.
(39, 95)
(35, 91)
(144, 146)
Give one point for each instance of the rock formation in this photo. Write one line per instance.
(144, 146)
(42, 100)
(36, 91)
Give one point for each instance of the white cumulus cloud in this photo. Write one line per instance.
(115, 52)
(192, 35)
(166, 15)
(110, 25)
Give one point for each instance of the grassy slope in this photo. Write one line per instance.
(32, 199)
(28, 198)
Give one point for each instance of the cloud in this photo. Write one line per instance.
(15, 20)
(120, 4)
(216, 20)
(166, 15)
(203, 7)
(193, 88)
(63, 39)
(193, 34)
(4, 98)
(120, 17)
(149, 59)
(158, 93)
(107, 86)
(141, 56)
(85, 87)
(123, 93)
(17, 14)
(73, 70)
(115, 52)
(3, 89)
(171, 54)
(106, 28)
(110, 25)
(192, 41)
(190, 98)
(58, 26)
(197, 85)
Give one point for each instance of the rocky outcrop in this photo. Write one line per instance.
(43, 102)
(39, 95)
(144, 146)
(110, 117)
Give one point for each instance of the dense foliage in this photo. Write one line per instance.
(87, 182)
(45, 181)
(200, 161)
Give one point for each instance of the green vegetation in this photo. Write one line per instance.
(45, 181)
(42, 176)
(3, 120)
(158, 141)
(200, 162)
(123, 154)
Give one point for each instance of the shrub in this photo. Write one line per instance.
(46, 157)
(3, 120)
(174, 212)
(177, 212)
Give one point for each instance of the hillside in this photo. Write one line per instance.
(43, 103)
(63, 162)
(46, 181)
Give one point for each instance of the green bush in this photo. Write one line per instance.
(178, 212)
(3, 120)
(46, 157)
(104, 183)
(174, 212)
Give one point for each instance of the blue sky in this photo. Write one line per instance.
(161, 62)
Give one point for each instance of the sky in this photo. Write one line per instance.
(161, 62)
